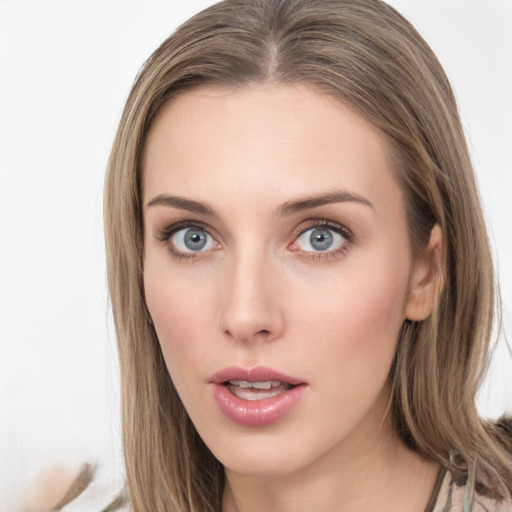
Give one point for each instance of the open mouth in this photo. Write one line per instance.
(246, 390)
(258, 396)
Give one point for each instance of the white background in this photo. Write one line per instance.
(66, 68)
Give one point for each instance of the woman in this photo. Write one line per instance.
(299, 270)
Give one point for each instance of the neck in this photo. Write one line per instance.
(371, 469)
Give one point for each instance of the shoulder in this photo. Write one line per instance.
(56, 491)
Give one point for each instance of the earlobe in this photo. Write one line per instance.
(426, 279)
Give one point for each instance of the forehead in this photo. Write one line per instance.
(266, 141)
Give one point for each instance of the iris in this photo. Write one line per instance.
(321, 239)
(195, 239)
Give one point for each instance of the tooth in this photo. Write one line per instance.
(252, 395)
(265, 385)
(262, 385)
(241, 383)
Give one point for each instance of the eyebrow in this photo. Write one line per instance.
(287, 208)
(306, 203)
(182, 203)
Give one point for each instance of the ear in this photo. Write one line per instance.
(426, 279)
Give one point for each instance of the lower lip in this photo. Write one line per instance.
(256, 413)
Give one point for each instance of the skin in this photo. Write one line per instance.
(260, 294)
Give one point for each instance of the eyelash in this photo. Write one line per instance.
(331, 226)
(165, 235)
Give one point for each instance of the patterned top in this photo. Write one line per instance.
(450, 497)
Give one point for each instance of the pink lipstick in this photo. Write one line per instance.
(257, 396)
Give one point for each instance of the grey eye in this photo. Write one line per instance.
(320, 240)
(195, 239)
(192, 240)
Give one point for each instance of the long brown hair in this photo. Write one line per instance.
(366, 55)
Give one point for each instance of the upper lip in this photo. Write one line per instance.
(255, 374)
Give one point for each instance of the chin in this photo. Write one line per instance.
(267, 454)
(262, 465)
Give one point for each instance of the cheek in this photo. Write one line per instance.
(356, 318)
(181, 314)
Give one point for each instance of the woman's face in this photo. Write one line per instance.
(278, 271)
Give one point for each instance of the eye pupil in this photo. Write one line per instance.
(321, 239)
(195, 239)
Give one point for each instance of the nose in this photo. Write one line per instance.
(251, 308)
